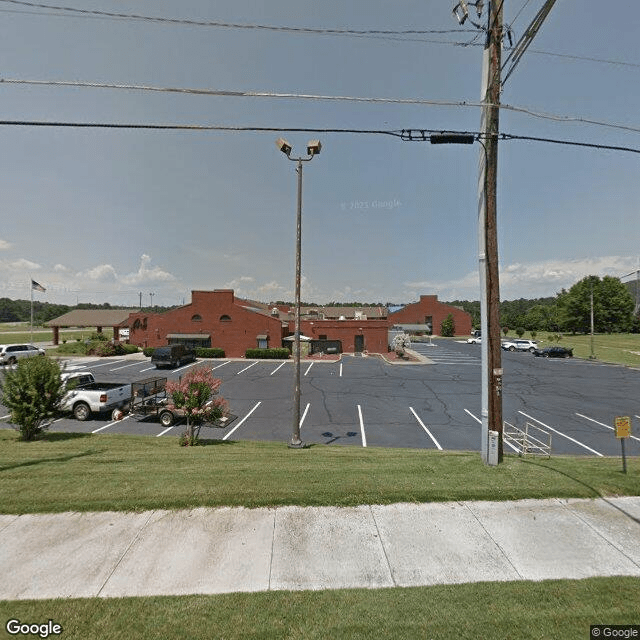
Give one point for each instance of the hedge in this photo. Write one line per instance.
(276, 353)
(209, 352)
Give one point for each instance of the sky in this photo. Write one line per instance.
(120, 215)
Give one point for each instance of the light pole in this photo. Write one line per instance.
(313, 149)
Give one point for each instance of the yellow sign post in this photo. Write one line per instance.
(623, 431)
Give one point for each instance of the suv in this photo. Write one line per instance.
(520, 345)
(11, 353)
(174, 355)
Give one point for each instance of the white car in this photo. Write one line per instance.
(474, 340)
(11, 353)
(519, 345)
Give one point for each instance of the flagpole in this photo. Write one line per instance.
(31, 288)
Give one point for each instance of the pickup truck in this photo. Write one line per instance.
(86, 396)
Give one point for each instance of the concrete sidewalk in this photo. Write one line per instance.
(205, 551)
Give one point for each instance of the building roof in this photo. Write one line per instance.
(93, 318)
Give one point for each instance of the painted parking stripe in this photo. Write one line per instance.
(602, 424)
(241, 421)
(110, 424)
(364, 437)
(133, 364)
(425, 428)
(546, 426)
(304, 415)
(278, 367)
(220, 365)
(503, 440)
(191, 364)
(5, 417)
(308, 369)
(249, 367)
(166, 430)
(341, 369)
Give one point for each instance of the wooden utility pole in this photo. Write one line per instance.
(490, 299)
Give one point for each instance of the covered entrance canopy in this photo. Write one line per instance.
(98, 318)
(190, 340)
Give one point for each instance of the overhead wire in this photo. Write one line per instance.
(321, 97)
(407, 135)
(387, 34)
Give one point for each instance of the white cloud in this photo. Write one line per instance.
(101, 273)
(4, 245)
(147, 274)
(528, 280)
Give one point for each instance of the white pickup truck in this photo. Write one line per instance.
(86, 396)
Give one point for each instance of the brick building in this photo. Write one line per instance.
(429, 313)
(212, 319)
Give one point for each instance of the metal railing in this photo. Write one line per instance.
(524, 442)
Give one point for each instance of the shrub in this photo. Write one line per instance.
(520, 332)
(32, 392)
(448, 327)
(275, 353)
(148, 351)
(205, 352)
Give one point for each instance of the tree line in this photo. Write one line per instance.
(570, 310)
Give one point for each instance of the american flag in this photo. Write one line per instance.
(37, 287)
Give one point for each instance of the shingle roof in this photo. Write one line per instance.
(92, 318)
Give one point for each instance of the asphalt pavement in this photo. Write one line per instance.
(222, 550)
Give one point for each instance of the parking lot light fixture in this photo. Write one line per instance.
(313, 149)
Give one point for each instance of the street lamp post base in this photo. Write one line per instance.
(296, 444)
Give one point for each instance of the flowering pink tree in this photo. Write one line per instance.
(196, 395)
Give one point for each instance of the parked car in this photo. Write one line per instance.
(474, 340)
(11, 353)
(174, 355)
(554, 352)
(520, 345)
(86, 396)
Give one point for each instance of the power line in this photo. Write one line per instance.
(228, 25)
(407, 135)
(302, 96)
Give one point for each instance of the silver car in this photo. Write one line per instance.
(11, 353)
(519, 345)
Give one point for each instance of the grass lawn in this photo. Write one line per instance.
(618, 348)
(84, 472)
(554, 610)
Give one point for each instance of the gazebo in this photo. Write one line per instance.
(98, 318)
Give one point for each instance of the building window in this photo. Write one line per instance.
(262, 342)
(225, 318)
(196, 318)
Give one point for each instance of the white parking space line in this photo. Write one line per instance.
(148, 369)
(546, 426)
(5, 417)
(249, 367)
(278, 367)
(308, 369)
(133, 364)
(602, 424)
(425, 428)
(220, 365)
(166, 431)
(241, 421)
(364, 437)
(191, 364)
(503, 440)
(341, 369)
(110, 424)
(304, 415)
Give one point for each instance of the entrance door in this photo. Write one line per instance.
(358, 345)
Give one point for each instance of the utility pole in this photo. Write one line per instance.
(487, 221)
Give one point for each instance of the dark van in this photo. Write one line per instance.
(175, 355)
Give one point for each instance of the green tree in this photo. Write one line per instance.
(612, 306)
(193, 395)
(448, 327)
(520, 332)
(32, 392)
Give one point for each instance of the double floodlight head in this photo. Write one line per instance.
(313, 147)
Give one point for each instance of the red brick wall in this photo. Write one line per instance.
(375, 332)
(235, 336)
(429, 306)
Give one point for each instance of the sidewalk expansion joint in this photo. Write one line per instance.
(384, 551)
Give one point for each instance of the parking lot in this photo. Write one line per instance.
(367, 402)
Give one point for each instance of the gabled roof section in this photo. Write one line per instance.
(93, 318)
